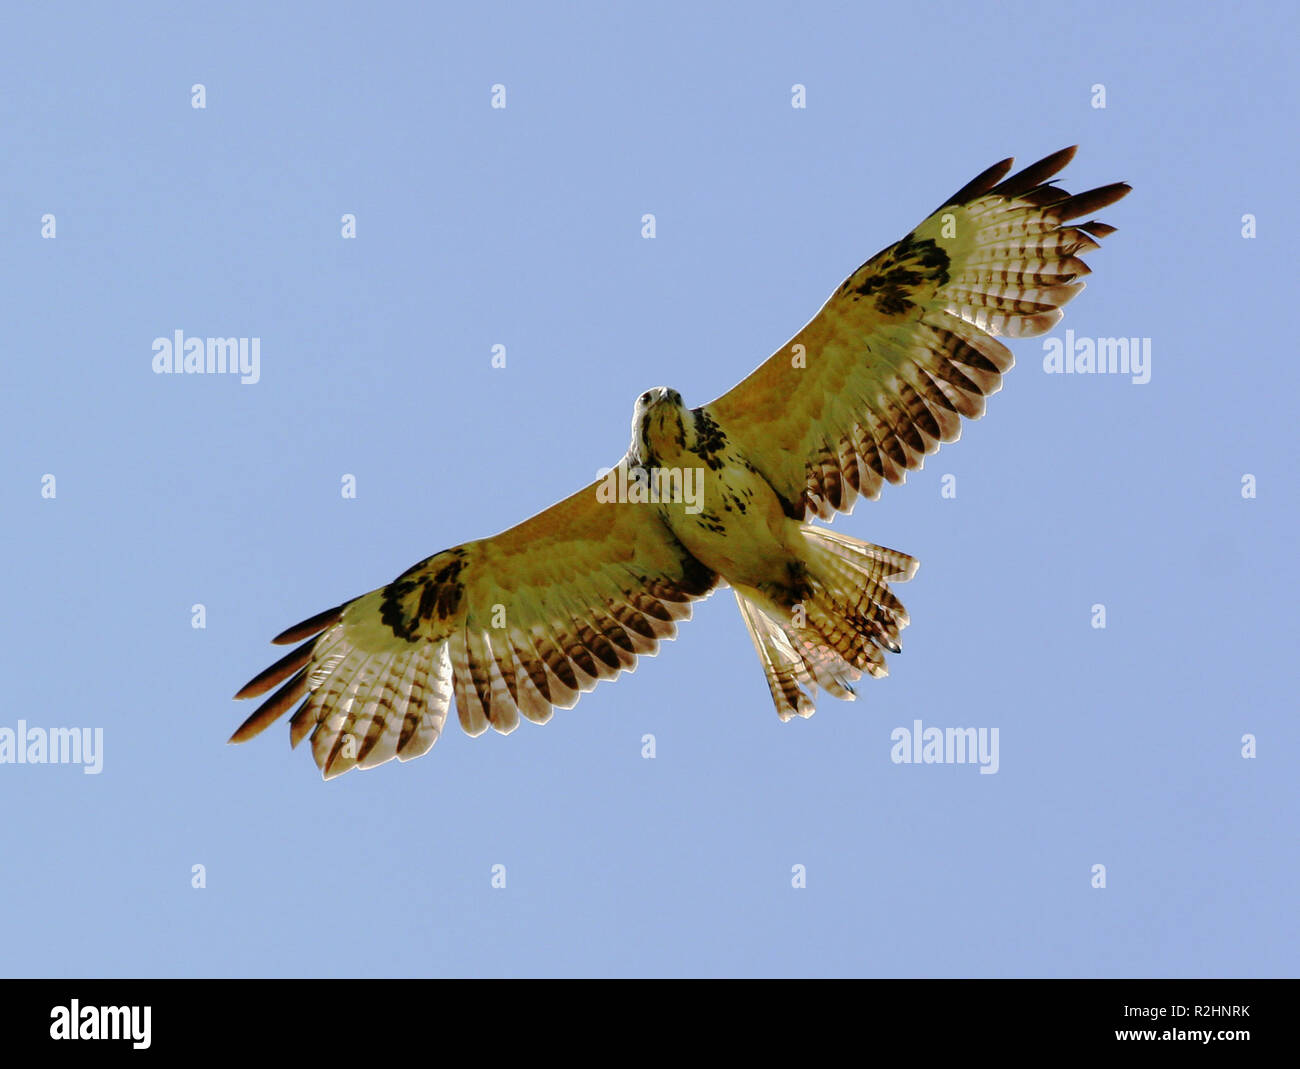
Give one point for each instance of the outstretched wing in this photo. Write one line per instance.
(880, 376)
(513, 624)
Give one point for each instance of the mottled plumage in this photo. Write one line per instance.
(529, 619)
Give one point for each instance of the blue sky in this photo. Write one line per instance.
(521, 227)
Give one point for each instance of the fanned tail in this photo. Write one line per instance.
(840, 630)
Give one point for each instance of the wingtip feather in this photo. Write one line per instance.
(1036, 173)
(311, 626)
(981, 183)
(273, 708)
(282, 669)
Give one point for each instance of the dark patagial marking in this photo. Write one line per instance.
(710, 442)
(696, 579)
(793, 509)
(895, 274)
(796, 510)
(440, 591)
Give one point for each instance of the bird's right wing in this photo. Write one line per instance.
(516, 623)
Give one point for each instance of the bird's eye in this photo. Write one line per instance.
(645, 398)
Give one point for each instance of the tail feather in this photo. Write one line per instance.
(842, 628)
(783, 668)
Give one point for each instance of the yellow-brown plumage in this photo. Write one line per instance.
(531, 618)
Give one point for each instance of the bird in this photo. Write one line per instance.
(723, 494)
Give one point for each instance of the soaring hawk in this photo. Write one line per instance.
(533, 617)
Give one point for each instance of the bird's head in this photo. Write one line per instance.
(662, 427)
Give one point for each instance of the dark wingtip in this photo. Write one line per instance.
(981, 183)
(273, 708)
(282, 669)
(1091, 201)
(1036, 173)
(309, 627)
(1096, 229)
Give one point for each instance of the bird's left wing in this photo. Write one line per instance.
(517, 623)
(880, 376)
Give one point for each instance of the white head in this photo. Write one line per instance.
(661, 425)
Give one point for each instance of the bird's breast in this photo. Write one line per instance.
(730, 519)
